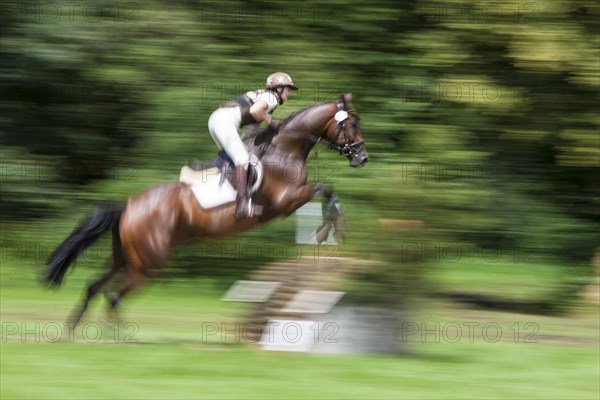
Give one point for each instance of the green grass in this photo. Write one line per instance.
(172, 360)
(503, 278)
(187, 370)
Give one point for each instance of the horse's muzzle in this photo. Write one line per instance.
(359, 159)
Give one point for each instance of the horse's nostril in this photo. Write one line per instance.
(364, 161)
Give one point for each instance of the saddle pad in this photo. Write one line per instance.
(207, 187)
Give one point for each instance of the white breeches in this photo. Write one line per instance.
(223, 126)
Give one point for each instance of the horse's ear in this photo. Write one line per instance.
(346, 97)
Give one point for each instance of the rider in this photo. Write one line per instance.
(253, 107)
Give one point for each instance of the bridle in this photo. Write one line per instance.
(350, 148)
(335, 127)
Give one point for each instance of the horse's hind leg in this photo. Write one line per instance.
(114, 299)
(118, 262)
(133, 279)
(146, 233)
(92, 290)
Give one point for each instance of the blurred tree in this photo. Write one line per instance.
(485, 115)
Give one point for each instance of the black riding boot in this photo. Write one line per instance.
(242, 207)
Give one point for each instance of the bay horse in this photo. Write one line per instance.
(147, 228)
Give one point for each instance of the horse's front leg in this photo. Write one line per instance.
(334, 218)
(303, 195)
(333, 211)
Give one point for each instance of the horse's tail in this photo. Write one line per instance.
(101, 220)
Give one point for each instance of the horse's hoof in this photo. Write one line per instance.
(339, 230)
(340, 238)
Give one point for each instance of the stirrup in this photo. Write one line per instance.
(243, 209)
(247, 211)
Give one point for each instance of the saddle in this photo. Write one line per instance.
(222, 162)
(212, 183)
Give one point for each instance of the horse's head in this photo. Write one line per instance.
(343, 133)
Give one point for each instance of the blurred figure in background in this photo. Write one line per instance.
(253, 107)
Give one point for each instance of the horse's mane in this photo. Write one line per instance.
(267, 133)
(302, 110)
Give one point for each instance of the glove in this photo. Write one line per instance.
(274, 124)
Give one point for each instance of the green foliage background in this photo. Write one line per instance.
(481, 119)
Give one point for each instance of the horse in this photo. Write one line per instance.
(147, 228)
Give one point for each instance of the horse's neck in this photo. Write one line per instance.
(299, 135)
(313, 120)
